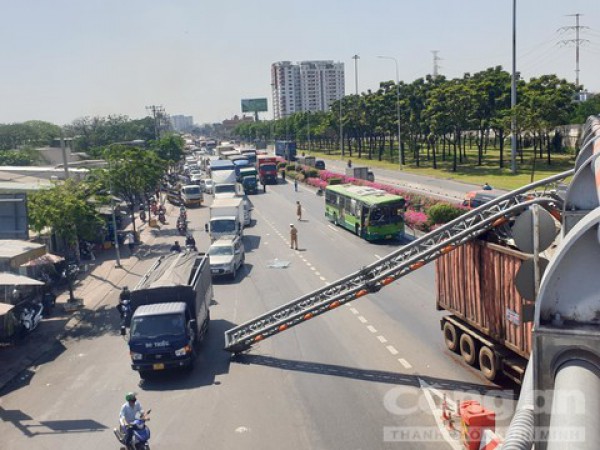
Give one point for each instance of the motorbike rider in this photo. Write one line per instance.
(190, 242)
(176, 247)
(130, 409)
(124, 299)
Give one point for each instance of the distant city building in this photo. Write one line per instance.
(228, 125)
(182, 123)
(305, 86)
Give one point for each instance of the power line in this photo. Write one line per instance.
(577, 41)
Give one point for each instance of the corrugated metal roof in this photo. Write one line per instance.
(160, 308)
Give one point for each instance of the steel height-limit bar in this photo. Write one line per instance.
(373, 277)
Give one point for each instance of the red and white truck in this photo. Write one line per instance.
(267, 169)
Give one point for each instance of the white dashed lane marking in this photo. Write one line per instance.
(371, 328)
(382, 339)
(405, 363)
(332, 228)
(392, 350)
(378, 257)
(354, 310)
(323, 279)
(362, 319)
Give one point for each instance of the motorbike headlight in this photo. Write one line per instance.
(183, 351)
(136, 356)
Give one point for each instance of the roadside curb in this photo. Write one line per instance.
(104, 271)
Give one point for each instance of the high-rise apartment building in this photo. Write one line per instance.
(305, 86)
(182, 123)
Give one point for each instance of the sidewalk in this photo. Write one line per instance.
(99, 286)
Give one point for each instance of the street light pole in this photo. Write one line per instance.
(356, 58)
(397, 108)
(114, 220)
(513, 94)
(308, 126)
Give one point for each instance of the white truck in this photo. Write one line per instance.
(235, 190)
(226, 217)
(191, 195)
(223, 176)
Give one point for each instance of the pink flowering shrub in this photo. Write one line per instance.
(416, 220)
(415, 203)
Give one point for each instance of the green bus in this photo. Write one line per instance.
(370, 213)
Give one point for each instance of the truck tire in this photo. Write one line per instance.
(451, 337)
(488, 363)
(468, 349)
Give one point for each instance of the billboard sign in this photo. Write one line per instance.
(254, 105)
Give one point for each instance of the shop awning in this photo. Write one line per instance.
(12, 279)
(48, 258)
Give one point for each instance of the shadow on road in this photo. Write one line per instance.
(17, 418)
(251, 242)
(377, 376)
(211, 362)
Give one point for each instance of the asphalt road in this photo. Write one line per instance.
(443, 189)
(359, 377)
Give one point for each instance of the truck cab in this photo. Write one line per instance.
(191, 195)
(161, 337)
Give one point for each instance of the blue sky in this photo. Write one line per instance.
(64, 59)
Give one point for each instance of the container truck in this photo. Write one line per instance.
(267, 169)
(226, 217)
(475, 283)
(170, 313)
(360, 173)
(224, 176)
(248, 179)
(286, 150)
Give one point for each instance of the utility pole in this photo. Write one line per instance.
(513, 94)
(577, 41)
(157, 112)
(436, 66)
(356, 58)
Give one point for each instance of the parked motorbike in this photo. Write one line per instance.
(141, 433)
(30, 317)
(143, 215)
(161, 217)
(320, 192)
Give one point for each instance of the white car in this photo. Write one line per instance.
(209, 186)
(227, 255)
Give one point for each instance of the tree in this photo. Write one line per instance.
(64, 209)
(169, 148)
(132, 173)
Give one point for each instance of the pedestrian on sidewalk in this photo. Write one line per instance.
(296, 184)
(299, 210)
(130, 241)
(293, 237)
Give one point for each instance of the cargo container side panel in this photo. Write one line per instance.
(491, 294)
(466, 266)
(460, 300)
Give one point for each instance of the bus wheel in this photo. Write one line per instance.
(450, 336)
(488, 363)
(468, 349)
(335, 220)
